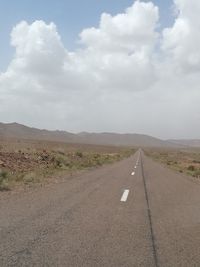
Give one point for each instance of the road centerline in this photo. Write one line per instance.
(125, 195)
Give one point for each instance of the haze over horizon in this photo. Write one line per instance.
(127, 69)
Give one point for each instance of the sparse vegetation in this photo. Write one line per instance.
(185, 161)
(191, 168)
(4, 181)
(32, 162)
(30, 178)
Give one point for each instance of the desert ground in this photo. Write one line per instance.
(27, 163)
(185, 161)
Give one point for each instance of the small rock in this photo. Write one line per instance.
(2, 164)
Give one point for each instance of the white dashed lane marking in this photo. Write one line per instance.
(125, 195)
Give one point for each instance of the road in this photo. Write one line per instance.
(133, 213)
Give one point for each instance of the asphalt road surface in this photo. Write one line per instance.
(132, 213)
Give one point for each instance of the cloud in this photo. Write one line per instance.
(182, 41)
(39, 49)
(130, 32)
(120, 50)
(126, 76)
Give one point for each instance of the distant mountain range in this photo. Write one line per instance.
(18, 131)
(186, 142)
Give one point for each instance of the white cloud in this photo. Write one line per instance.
(130, 32)
(39, 49)
(120, 50)
(125, 77)
(182, 41)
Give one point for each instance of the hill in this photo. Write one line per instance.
(137, 140)
(18, 131)
(186, 142)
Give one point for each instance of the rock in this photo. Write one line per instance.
(2, 163)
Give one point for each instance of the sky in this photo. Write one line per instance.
(69, 19)
(102, 66)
